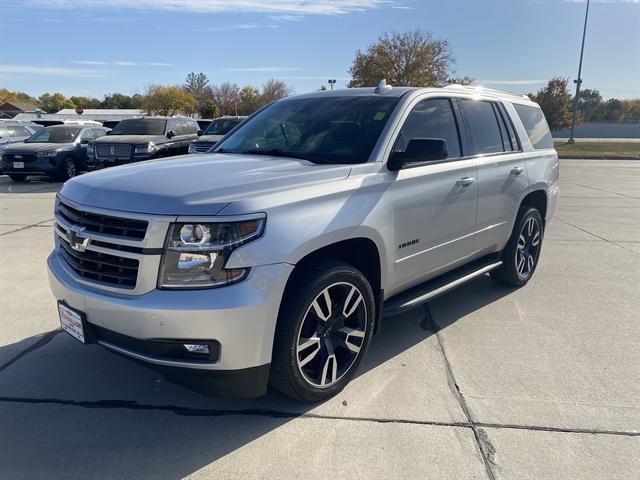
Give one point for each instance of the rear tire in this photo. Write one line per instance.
(520, 256)
(324, 329)
(17, 177)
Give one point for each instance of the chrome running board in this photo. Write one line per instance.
(429, 290)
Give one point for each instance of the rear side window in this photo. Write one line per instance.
(536, 126)
(19, 131)
(482, 124)
(431, 119)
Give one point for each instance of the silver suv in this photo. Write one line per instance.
(275, 258)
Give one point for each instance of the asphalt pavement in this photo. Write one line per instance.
(541, 382)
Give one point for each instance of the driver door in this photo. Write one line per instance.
(435, 203)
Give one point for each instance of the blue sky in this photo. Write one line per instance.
(92, 47)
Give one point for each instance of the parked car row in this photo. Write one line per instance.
(63, 151)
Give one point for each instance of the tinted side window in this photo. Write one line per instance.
(173, 126)
(192, 127)
(536, 126)
(483, 126)
(515, 145)
(431, 119)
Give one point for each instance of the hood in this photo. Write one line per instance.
(194, 184)
(37, 147)
(131, 139)
(210, 138)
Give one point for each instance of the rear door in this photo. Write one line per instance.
(434, 204)
(502, 177)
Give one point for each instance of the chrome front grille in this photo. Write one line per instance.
(105, 224)
(115, 151)
(101, 267)
(203, 147)
(119, 252)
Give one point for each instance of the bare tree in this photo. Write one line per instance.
(227, 97)
(274, 90)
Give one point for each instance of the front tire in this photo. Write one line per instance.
(324, 329)
(69, 169)
(17, 177)
(520, 256)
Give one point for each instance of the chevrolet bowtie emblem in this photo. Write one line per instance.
(77, 242)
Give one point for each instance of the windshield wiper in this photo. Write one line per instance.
(274, 152)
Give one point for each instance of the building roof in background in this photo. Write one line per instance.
(18, 107)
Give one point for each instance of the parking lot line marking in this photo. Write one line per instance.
(39, 224)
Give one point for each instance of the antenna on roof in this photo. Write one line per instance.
(382, 86)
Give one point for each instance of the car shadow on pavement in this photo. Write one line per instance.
(80, 411)
(30, 185)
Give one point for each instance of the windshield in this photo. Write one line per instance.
(55, 135)
(140, 126)
(222, 126)
(324, 129)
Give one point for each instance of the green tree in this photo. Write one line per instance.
(197, 84)
(556, 103)
(86, 102)
(249, 100)
(21, 97)
(587, 103)
(117, 100)
(209, 109)
(412, 58)
(54, 102)
(168, 100)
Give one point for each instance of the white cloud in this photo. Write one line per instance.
(508, 82)
(121, 63)
(281, 7)
(259, 69)
(50, 71)
(239, 26)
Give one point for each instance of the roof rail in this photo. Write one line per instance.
(480, 89)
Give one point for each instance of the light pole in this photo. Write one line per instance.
(332, 82)
(578, 82)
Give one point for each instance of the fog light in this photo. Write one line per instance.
(197, 348)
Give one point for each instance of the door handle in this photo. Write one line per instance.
(465, 181)
(517, 170)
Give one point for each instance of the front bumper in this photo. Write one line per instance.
(240, 318)
(39, 166)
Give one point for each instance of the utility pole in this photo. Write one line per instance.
(578, 82)
(332, 82)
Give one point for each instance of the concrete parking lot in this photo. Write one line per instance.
(541, 382)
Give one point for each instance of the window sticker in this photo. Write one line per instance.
(379, 115)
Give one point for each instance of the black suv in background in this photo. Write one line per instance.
(59, 151)
(215, 132)
(145, 138)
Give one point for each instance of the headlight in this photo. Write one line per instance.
(48, 153)
(196, 253)
(145, 148)
(192, 147)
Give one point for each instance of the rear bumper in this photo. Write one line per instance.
(238, 320)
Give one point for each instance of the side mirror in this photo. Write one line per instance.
(419, 150)
(83, 141)
(200, 133)
(171, 134)
(108, 133)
